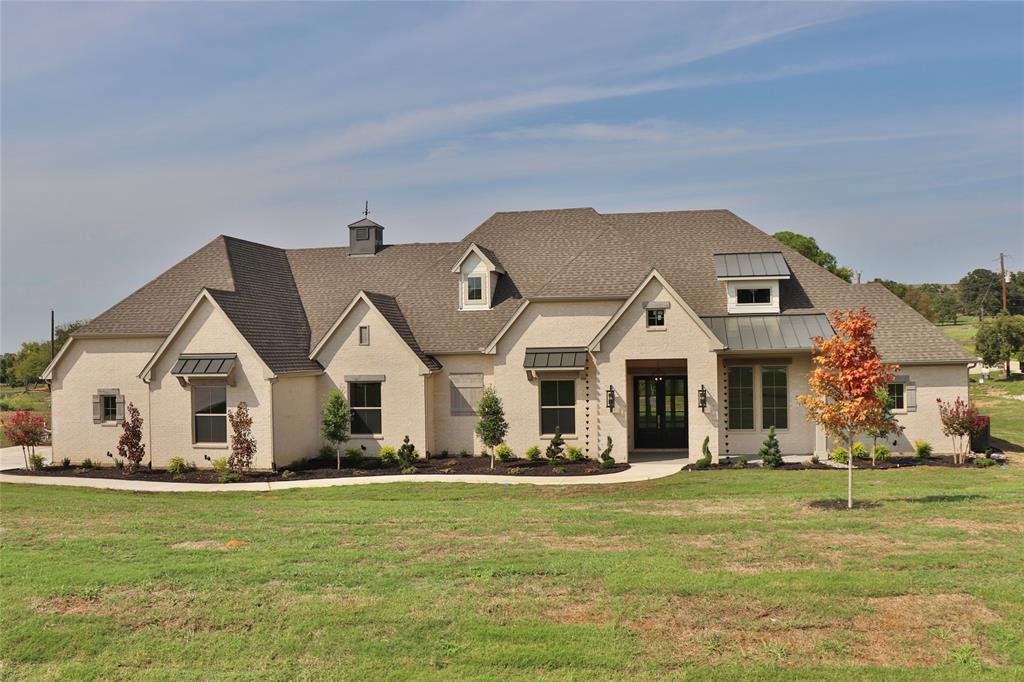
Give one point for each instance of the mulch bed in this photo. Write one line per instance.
(865, 464)
(369, 466)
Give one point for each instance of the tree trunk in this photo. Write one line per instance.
(1007, 377)
(849, 476)
(492, 458)
(337, 451)
(24, 453)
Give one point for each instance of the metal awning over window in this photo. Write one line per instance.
(204, 365)
(556, 358)
(770, 264)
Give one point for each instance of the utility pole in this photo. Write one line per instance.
(49, 385)
(1002, 280)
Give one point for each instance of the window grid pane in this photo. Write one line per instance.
(109, 408)
(558, 406)
(754, 296)
(896, 397)
(656, 318)
(741, 398)
(476, 290)
(774, 410)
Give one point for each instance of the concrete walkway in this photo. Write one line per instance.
(11, 458)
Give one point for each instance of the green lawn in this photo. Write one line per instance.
(963, 332)
(1002, 401)
(724, 574)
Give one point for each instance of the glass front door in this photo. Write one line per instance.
(659, 412)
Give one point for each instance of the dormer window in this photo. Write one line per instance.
(746, 296)
(752, 280)
(478, 271)
(475, 288)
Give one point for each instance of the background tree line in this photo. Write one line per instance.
(24, 366)
(979, 292)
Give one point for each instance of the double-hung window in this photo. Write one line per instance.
(366, 410)
(741, 397)
(558, 406)
(774, 411)
(109, 408)
(211, 414)
(475, 288)
(897, 397)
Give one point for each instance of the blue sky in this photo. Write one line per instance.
(134, 133)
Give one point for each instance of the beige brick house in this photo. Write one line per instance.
(657, 329)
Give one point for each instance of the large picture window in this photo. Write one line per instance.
(558, 406)
(211, 414)
(366, 410)
(741, 397)
(774, 410)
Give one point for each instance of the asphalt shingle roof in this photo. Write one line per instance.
(284, 301)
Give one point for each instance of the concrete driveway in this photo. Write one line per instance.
(11, 458)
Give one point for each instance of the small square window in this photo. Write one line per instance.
(753, 296)
(656, 318)
(364, 336)
(475, 287)
(110, 408)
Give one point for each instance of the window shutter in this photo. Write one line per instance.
(97, 409)
(910, 396)
(120, 409)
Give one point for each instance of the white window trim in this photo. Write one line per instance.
(735, 307)
(900, 410)
(211, 444)
(361, 328)
(541, 407)
(377, 435)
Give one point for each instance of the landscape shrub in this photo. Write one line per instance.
(558, 470)
(230, 477)
(178, 466)
(388, 456)
(287, 473)
(26, 430)
(327, 454)
(353, 456)
(841, 455)
(607, 461)
(984, 462)
(465, 453)
(407, 455)
(504, 453)
(741, 463)
(922, 449)
(574, 454)
(770, 453)
(220, 465)
(36, 461)
(119, 464)
(556, 446)
(860, 451)
(515, 471)
(66, 462)
(880, 453)
(814, 459)
(533, 452)
(409, 470)
(705, 460)
(130, 445)
(243, 443)
(87, 463)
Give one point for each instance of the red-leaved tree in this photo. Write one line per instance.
(960, 421)
(243, 444)
(27, 430)
(130, 445)
(848, 384)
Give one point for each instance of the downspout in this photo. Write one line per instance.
(149, 416)
(273, 455)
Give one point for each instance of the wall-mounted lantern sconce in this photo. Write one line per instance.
(609, 397)
(702, 398)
